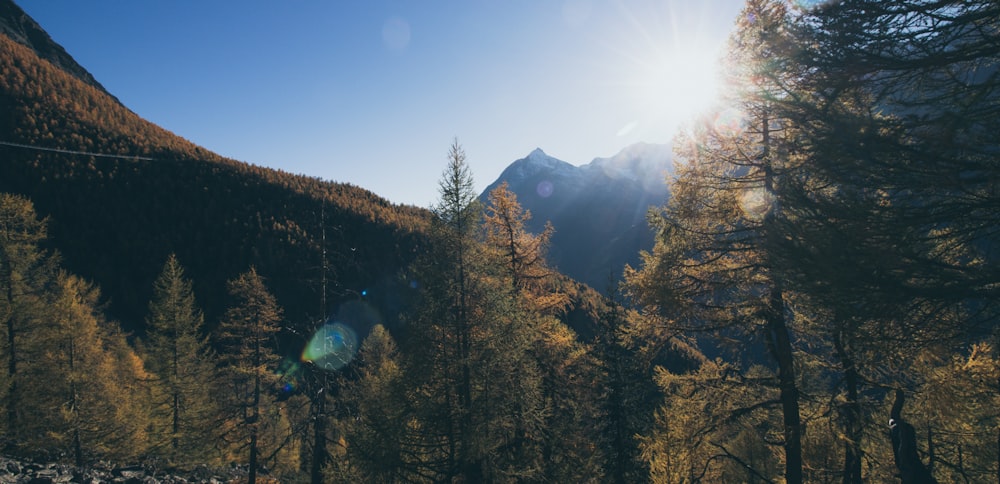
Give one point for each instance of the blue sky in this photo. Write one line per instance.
(373, 92)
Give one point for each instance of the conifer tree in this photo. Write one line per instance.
(895, 125)
(891, 206)
(627, 379)
(84, 381)
(177, 353)
(378, 432)
(522, 253)
(247, 333)
(713, 268)
(26, 273)
(469, 350)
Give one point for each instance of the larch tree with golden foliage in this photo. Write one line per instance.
(85, 381)
(468, 358)
(184, 409)
(712, 270)
(247, 333)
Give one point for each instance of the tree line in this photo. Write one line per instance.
(486, 384)
(837, 213)
(820, 304)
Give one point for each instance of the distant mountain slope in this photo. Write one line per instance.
(116, 216)
(21, 28)
(122, 193)
(598, 210)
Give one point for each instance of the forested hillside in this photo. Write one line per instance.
(832, 234)
(144, 193)
(189, 292)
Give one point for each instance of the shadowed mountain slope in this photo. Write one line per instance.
(598, 210)
(122, 193)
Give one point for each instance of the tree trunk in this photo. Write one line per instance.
(319, 436)
(852, 415)
(254, 418)
(12, 396)
(77, 447)
(781, 348)
(175, 440)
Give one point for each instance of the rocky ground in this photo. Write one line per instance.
(21, 472)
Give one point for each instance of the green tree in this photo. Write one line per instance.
(177, 352)
(26, 274)
(247, 333)
(628, 389)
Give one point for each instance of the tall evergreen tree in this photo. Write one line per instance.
(469, 349)
(84, 381)
(247, 333)
(893, 206)
(26, 273)
(378, 418)
(713, 256)
(177, 353)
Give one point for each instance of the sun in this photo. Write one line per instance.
(671, 71)
(678, 84)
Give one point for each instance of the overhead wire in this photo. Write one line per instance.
(73, 152)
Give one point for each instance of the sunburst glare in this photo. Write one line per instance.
(673, 71)
(680, 84)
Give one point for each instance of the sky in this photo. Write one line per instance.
(373, 93)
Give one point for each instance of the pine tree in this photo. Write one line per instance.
(890, 209)
(469, 349)
(522, 253)
(378, 420)
(712, 269)
(178, 354)
(247, 333)
(26, 273)
(84, 381)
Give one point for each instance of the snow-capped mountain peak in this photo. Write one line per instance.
(539, 163)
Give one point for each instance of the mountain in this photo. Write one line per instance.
(121, 194)
(598, 210)
(21, 28)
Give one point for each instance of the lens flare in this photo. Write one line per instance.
(756, 203)
(729, 122)
(396, 34)
(289, 373)
(545, 189)
(336, 343)
(332, 347)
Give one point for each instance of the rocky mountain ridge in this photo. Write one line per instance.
(21, 28)
(598, 209)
